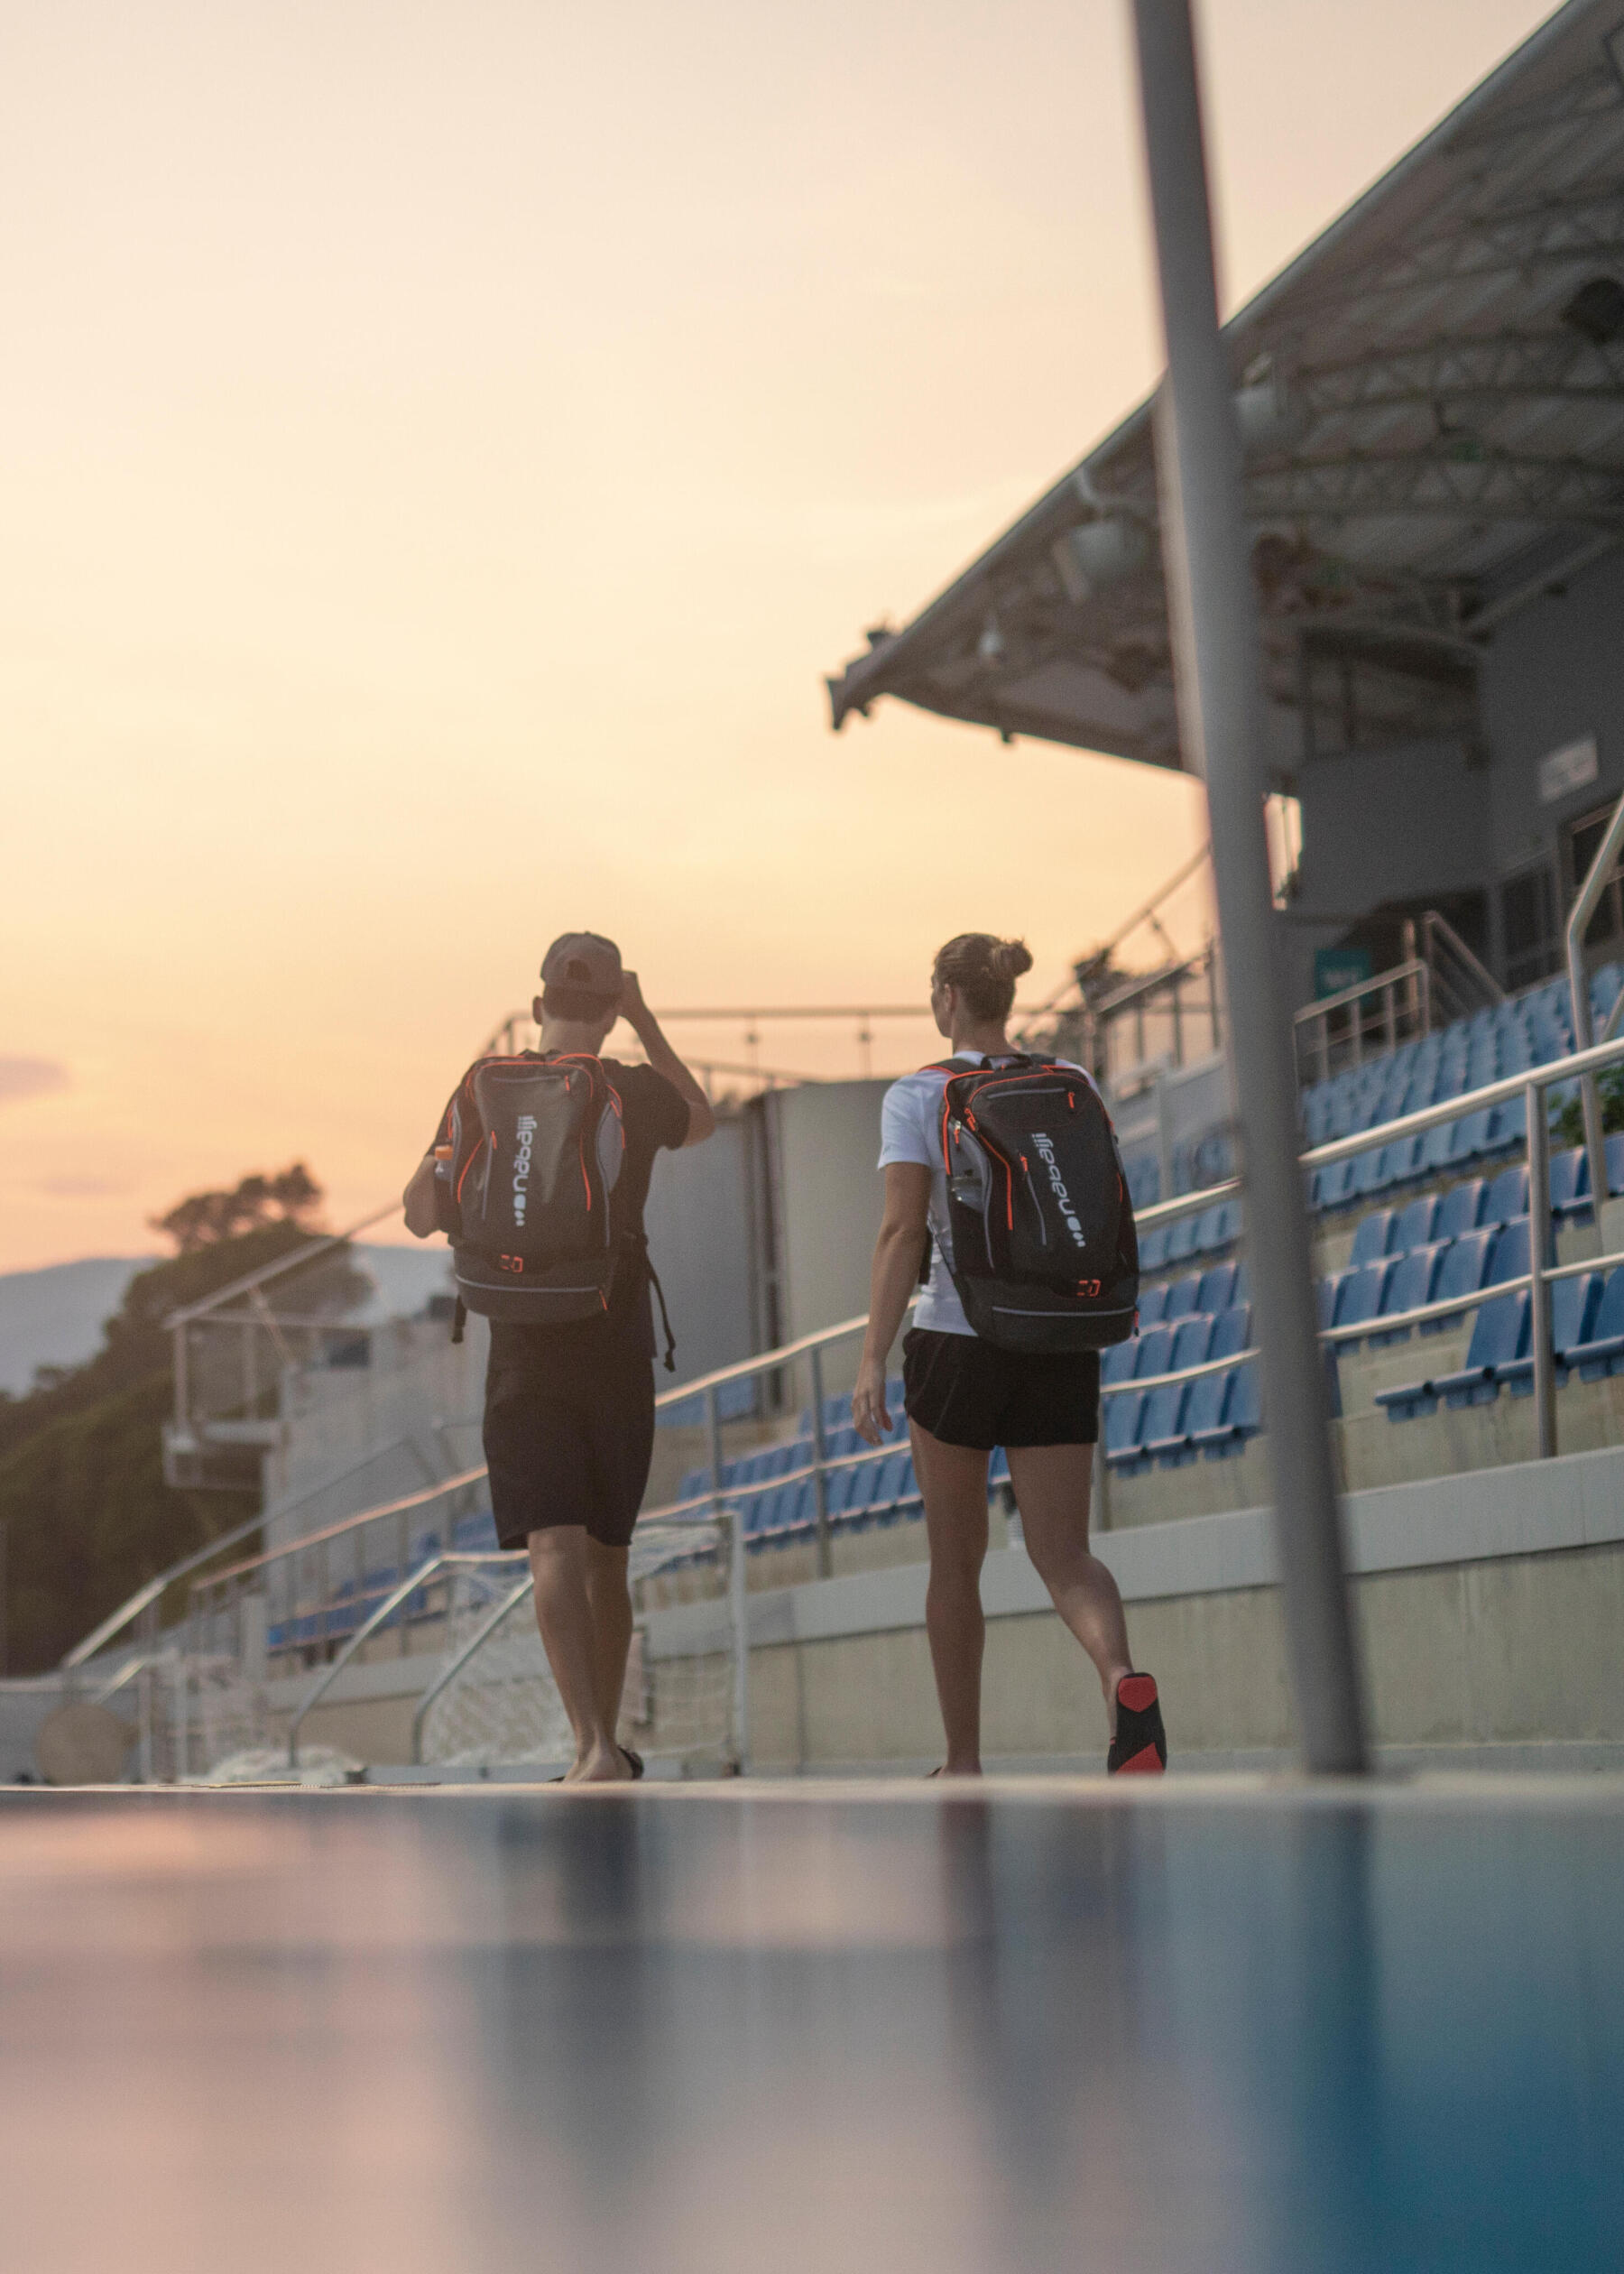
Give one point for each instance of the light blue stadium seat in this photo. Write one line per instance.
(1615, 1161)
(1181, 1239)
(1414, 1277)
(1573, 1306)
(1462, 1209)
(1152, 1305)
(1373, 1238)
(1151, 1351)
(1509, 1258)
(1203, 1411)
(1368, 1177)
(1182, 1297)
(1469, 1136)
(1326, 1292)
(1216, 1291)
(1602, 1350)
(1243, 1413)
(1499, 1337)
(1231, 1331)
(1415, 1222)
(1570, 1186)
(1153, 1250)
(1506, 1197)
(1123, 1450)
(1161, 1429)
(1335, 1183)
(1507, 1124)
(1211, 1233)
(1360, 1298)
(1436, 1146)
(1462, 1273)
(1117, 1364)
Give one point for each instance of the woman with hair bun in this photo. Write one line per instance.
(964, 1394)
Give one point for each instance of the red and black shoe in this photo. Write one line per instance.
(1140, 1748)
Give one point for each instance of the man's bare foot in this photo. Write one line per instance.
(958, 1769)
(605, 1764)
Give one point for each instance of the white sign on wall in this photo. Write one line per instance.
(1570, 768)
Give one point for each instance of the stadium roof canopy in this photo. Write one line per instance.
(1432, 402)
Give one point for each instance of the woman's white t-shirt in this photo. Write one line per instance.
(911, 1129)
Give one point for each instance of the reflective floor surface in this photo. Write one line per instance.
(781, 2028)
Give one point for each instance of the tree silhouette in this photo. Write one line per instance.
(292, 1195)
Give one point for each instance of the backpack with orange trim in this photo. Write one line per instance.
(1045, 1253)
(525, 1189)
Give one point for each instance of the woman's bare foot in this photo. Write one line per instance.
(603, 1764)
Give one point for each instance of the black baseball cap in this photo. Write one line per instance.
(581, 976)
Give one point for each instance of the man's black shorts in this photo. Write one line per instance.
(970, 1393)
(567, 1445)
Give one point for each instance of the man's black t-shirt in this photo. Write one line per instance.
(653, 1113)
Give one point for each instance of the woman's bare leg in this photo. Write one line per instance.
(611, 1601)
(952, 1480)
(563, 1614)
(1052, 1486)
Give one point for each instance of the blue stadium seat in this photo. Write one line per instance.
(1123, 1413)
(1243, 1412)
(1509, 1258)
(1507, 1125)
(1162, 1431)
(1326, 1292)
(998, 1467)
(1153, 1306)
(1373, 1238)
(1413, 1278)
(1461, 1210)
(1152, 1352)
(1499, 1337)
(1470, 1135)
(1213, 1229)
(1573, 1306)
(1242, 1291)
(1463, 1269)
(1413, 1227)
(1231, 1331)
(1570, 1186)
(1153, 1250)
(1406, 1158)
(1335, 1184)
(1118, 1362)
(1615, 1161)
(1144, 1181)
(1181, 1298)
(1204, 1423)
(1507, 1196)
(1217, 1289)
(1360, 1297)
(1181, 1239)
(1602, 1351)
(1369, 1172)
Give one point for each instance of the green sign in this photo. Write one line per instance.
(1335, 968)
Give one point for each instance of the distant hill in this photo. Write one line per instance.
(54, 1317)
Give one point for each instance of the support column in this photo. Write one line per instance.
(1213, 606)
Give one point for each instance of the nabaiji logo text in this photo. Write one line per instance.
(521, 1162)
(1045, 1149)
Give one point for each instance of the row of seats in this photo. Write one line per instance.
(1213, 1415)
(355, 1599)
(1444, 1270)
(1587, 1338)
(1213, 1231)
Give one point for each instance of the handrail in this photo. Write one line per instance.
(453, 1666)
(274, 1270)
(350, 1523)
(1578, 924)
(1323, 1005)
(369, 1626)
(1437, 926)
(1528, 1083)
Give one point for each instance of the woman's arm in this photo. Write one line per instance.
(897, 1254)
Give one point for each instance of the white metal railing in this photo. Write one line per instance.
(1403, 996)
(1578, 924)
(1543, 1270)
(222, 1591)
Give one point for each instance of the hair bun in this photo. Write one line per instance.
(1010, 957)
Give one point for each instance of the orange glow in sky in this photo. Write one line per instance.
(444, 447)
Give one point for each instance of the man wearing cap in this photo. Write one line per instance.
(569, 1408)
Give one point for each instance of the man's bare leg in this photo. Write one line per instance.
(563, 1614)
(953, 1481)
(1052, 1487)
(611, 1601)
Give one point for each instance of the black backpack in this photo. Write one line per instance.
(527, 1193)
(1045, 1255)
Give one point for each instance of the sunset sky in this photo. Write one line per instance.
(443, 447)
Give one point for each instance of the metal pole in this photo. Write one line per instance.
(820, 1484)
(1214, 607)
(738, 1608)
(1578, 924)
(1540, 1259)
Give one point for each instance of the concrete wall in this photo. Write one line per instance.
(825, 1141)
(1353, 855)
(697, 1220)
(1554, 674)
(1489, 1610)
